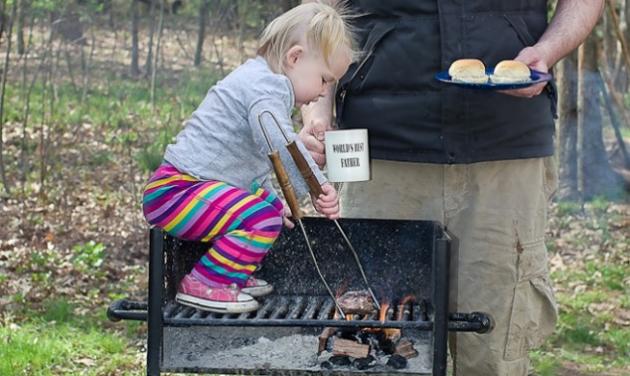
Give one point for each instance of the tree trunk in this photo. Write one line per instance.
(5, 69)
(21, 13)
(241, 14)
(47, 50)
(203, 20)
(88, 67)
(567, 127)
(157, 53)
(595, 176)
(149, 63)
(135, 19)
(3, 20)
(626, 11)
(609, 41)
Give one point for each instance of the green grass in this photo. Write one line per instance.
(580, 334)
(59, 342)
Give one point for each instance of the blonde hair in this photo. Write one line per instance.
(325, 27)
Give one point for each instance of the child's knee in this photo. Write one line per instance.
(270, 226)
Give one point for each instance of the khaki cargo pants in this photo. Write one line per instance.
(498, 213)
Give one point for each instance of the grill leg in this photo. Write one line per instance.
(156, 291)
(440, 299)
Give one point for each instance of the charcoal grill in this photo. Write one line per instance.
(401, 257)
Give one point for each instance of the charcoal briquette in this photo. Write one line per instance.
(327, 365)
(365, 363)
(397, 361)
(340, 360)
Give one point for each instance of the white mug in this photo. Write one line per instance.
(347, 155)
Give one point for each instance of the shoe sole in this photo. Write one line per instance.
(215, 306)
(257, 291)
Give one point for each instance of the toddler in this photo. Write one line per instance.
(214, 184)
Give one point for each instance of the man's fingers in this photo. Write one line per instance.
(313, 144)
(528, 92)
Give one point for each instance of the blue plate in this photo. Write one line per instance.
(536, 77)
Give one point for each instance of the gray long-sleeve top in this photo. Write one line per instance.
(223, 139)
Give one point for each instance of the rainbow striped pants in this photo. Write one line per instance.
(240, 225)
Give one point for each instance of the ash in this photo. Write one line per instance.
(263, 351)
(291, 352)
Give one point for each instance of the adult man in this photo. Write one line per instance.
(479, 162)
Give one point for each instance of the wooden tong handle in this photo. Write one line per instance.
(313, 185)
(285, 184)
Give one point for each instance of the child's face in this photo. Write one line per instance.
(310, 76)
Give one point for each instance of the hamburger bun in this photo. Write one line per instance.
(469, 71)
(510, 72)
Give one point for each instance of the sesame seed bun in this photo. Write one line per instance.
(510, 72)
(468, 71)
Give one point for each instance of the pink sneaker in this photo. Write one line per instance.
(229, 299)
(257, 287)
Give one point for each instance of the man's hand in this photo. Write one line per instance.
(328, 202)
(533, 58)
(312, 135)
(317, 119)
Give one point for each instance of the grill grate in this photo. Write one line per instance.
(300, 310)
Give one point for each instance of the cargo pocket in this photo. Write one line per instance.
(534, 309)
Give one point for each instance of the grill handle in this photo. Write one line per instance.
(470, 322)
(127, 310)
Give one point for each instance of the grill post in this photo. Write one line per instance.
(156, 291)
(440, 301)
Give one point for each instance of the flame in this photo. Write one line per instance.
(382, 315)
(410, 298)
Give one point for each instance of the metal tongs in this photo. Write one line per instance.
(315, 190)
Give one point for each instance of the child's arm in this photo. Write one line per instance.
(263, 107)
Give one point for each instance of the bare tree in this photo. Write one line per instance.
(5, 70)
(241, 14)
(21, 13)
(88, 66)
(204, 8)
(47, 47)
(567, 127)
(3, 20)
(594, 173)
(157, 53)
(135, 19)
(149, 62)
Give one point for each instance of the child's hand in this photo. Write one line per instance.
(328, 202)
(285, 218)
